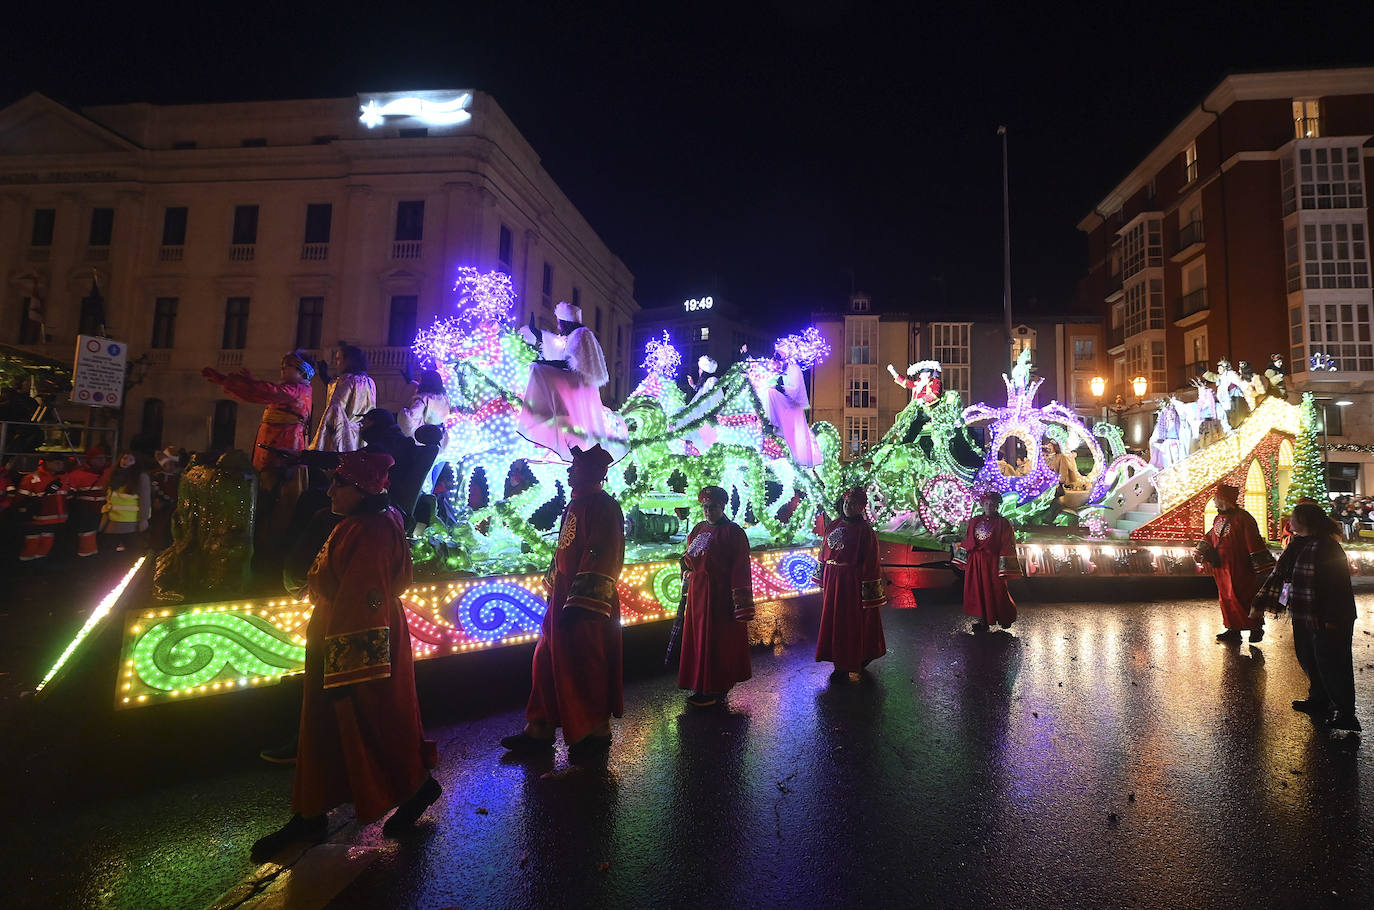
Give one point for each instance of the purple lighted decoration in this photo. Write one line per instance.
(1020, 419)
(805, 350)
(483, 297)
(661, 358)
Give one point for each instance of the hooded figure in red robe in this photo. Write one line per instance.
(851, 627)
(1239, 557)
(360, 734)
(720, 603)
(988, 557)
(577, 681)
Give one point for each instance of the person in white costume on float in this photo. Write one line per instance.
(562, 406)
(781, 388)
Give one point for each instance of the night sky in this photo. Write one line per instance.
(770, 152)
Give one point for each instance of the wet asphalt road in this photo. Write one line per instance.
(1104, 755)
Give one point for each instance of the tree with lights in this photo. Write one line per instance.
(1308, 480)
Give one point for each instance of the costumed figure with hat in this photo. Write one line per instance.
(1238, 555)
(577, 679)
(42, 501)
(922, 378)
(718, 605)
(707, 397)
(87, 484)
(1228, 390)
(287, 417)
(1277, 375)
(361, 739)
(851, 632)
(988, 558)
(562, 404)
(352, 393)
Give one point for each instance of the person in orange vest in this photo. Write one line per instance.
(43, 499)
(87, 485)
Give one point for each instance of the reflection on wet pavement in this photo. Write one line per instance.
(1098, 755)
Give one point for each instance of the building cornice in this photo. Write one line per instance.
(1285, 84)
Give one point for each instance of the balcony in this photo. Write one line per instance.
(1116, 337)
(1191, 308)
(387, 358)
(1190, 241)
(241, 252)
(1113, 288)
(160, 357)
(1190, 371)
(171, 253)
(406, 249)
(314, 252)
(229, 360)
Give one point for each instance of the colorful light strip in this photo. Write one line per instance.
(101, 610)
(188, 651)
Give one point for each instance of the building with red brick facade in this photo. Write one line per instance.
(1245, 233)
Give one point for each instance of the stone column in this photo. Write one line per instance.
(358, 289)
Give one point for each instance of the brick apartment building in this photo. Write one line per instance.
(1245, 233)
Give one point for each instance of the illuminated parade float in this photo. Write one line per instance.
(1082, 504)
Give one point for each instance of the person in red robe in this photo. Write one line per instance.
(360, 735)
(851, 627)
(720, 603)
(988, 558)
(577, 679)
(288, 407)
(1238, 555)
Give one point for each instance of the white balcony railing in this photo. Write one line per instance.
(230, 360)
(171, 253)
(314, 252)
(160, 357)
(405, 249)
(387, 358)
(241, 252)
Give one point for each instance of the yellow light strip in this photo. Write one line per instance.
(101, 610)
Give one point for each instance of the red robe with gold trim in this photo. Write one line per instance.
(577, 675)
(285, 420)
(360, 734)
(989, 558)
(1244, 558)
(720, 603)
(851, 627)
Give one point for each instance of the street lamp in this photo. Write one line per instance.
(1140, 385)
(1098, 385)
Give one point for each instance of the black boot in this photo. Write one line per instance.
(300, 830)
(409, 812)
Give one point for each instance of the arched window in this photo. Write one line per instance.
(151, 426)
(223, 426)
(1257, 496)
(1285, 471)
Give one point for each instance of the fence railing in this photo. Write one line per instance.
(406, 249)
(1194, 302)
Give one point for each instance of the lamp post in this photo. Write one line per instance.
(1098, 385)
